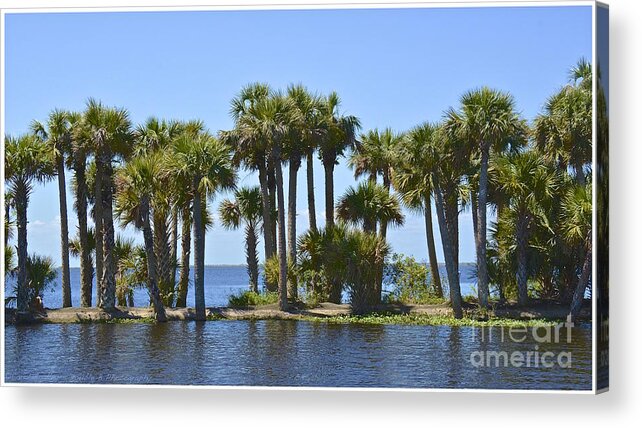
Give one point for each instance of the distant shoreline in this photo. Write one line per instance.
(261, 264)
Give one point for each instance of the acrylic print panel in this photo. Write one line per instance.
(244, 198)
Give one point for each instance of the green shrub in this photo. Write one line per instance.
(250, 298)
(410, 281)
(271, 271)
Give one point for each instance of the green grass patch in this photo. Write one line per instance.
(250, 298)
(420, 319)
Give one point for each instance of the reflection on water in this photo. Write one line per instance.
(284, 353)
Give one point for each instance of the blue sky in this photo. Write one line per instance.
(393, 68)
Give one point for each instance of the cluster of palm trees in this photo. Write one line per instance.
(160, 176)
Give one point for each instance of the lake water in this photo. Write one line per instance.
(220, 283)
(285, 353)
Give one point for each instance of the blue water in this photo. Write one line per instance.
(285, 353)
(220, 283)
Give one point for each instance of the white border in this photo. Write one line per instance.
(318, 6)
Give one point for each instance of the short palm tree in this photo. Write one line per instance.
(56, 133)
(205, 163)
(368, 204)
(577, 221)
(27, 161)
(246, 209)
(136, 183)
(530, 184)
(485, 121)
(371, 203)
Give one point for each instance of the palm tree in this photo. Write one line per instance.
(371, 203)
(442, 154)
(563, 133)
(368, 204)
(273, 121)
(531, 185)
(56, 133)
(136, 183)
(27, 161)
(250, 150)
(339, 135)
(204, 162)
(411, 177)
(485, 120)
(108, 129)
(151, 137)
(577, 221)
(80, 146)
(246, 208)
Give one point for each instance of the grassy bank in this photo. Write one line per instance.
(426, 315)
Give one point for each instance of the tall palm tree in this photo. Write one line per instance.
(80, 148)
(563, 132)
(108, 129)
(340, 135)
(273, 120)
(151, 137)
(27, 161)
(250, 150)
(411, 177)
(531, 185)
(247, 209)
(442, 154)
(136, 183)
(371, 203)
(307, 131)
(204, 162)
(485, 118)
(56, 133)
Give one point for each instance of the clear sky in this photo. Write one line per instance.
(393, 68)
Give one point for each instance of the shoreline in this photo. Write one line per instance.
(505, 315)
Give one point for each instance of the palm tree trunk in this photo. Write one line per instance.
(173, 247)
(64, 234)
(186, 243)
(310, 179)
(109, 261)
(283, 257)
(271, 180)
(267, 219)
(329, 193)
(152, 284)
(579, 173)
(252, 257)
(446, 240)
(199, 253)
(22, 200)
(295, 163)
(432, 253)
(86, 268)
(582, 283)
(98, 222)
(480, 239)
(161, 250)
(522, 274)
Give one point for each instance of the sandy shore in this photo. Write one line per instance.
(80, 315)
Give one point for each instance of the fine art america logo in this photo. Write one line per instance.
(530, 356)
